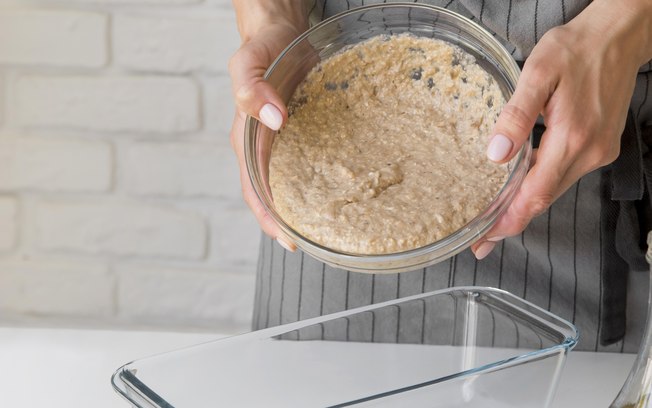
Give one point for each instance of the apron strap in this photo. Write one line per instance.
(627, 182)
(625, 212)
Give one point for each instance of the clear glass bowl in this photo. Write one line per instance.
(457, 347)
(354, 26)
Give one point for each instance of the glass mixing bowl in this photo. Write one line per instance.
(354, 26)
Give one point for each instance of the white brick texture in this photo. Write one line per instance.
(112, 104)
(55, 165)
(236, 238)
(172, 45)
(180, 169)
(120, 197)
(219, 108)
(121, 228)
(202, 297)
(56, 288)
(153, 3)
(60, 38)
(8, 223)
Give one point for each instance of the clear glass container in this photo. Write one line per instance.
(637, 390)
(354, 26)
(463, 347)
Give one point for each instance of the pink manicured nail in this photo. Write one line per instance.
(484, 249)
(495, 239)
(271, 116)
(499, 148)
(284, 244)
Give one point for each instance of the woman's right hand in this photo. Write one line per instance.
(266, 28)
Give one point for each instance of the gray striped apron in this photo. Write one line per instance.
(582, 260)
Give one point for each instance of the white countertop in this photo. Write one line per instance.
(72, 368)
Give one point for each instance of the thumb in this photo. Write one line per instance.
(253, 95)
(519, 115)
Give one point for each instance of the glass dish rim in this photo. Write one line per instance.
(456, 241)
(123, 378)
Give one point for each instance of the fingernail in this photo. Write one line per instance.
(484, 249)
(499, 147)
(271, 116)
(285, 244)
(495, 239)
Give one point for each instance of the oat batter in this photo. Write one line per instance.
(384, 149)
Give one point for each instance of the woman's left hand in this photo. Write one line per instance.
(580, 77)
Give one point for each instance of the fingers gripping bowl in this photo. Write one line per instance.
(341, 32)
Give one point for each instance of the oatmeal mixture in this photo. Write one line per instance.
(384, 149)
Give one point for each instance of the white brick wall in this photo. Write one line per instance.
(139, 2)
(40, 37)
(8, 221)
(55, 165)
(119, 193)
(232, 237)
(56, 288)
(169, 45)
(122, 228)
(104, 103)
(158, 294)
(218, 107)
(178, 169)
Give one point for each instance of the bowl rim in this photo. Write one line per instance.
(491, 212)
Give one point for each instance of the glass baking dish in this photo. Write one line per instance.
(465, 346)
